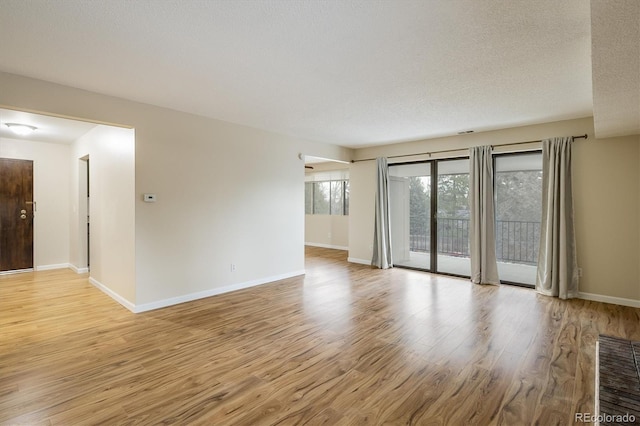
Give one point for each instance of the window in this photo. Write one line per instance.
(346, 197)
(327, 197)
(337, 197)
(308, 198)
(518, 194)
(321, 197)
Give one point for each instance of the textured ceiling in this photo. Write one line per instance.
(616, 67)
(354, 73)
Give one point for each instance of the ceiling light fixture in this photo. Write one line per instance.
(21, 129)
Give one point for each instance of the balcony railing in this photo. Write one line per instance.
(516, 241)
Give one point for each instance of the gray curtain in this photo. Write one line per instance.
(482, 237)
(382, 236)
(557, 261)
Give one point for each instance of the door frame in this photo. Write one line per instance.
(84, 213)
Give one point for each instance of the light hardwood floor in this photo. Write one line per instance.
(344, 344)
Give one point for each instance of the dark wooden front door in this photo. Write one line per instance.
(16, 214)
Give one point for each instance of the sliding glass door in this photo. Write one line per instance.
(440, 242)
(418, 189)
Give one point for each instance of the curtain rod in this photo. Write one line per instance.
(585, 136)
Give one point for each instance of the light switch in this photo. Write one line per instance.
(149, 198)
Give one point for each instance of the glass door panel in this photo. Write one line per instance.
(518, 192)
(453, 217)
(410, 205)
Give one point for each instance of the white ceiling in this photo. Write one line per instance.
(616, 67)
(49, 129)
(352, 72)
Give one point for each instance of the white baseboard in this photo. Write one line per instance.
(212, 292)
(610, 299)
(187, 297)
(77, 270)
(74, 268)
(50, 267)
(360, 261)
(115, 296)
(16, 271)
(329, 246)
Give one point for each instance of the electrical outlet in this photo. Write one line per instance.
(579, 272)
(149, 198)
(233, 267)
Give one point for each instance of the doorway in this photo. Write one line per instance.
(16, 215)
(430, 216)
(326, 197)
(84, 214)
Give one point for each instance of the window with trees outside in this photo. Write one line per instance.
(429, 205)
(518, 195)
(453, 217)
(420, 239)
(327, 197)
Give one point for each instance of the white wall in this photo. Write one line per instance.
(330, 231)
(219, 203)
(607, 213)
(51, 193)
(362, 178)
(112, 208)
(226, 193)
(606, 197)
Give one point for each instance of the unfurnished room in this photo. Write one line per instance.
(283, 212)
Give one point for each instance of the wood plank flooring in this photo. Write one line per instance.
(343, 345)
